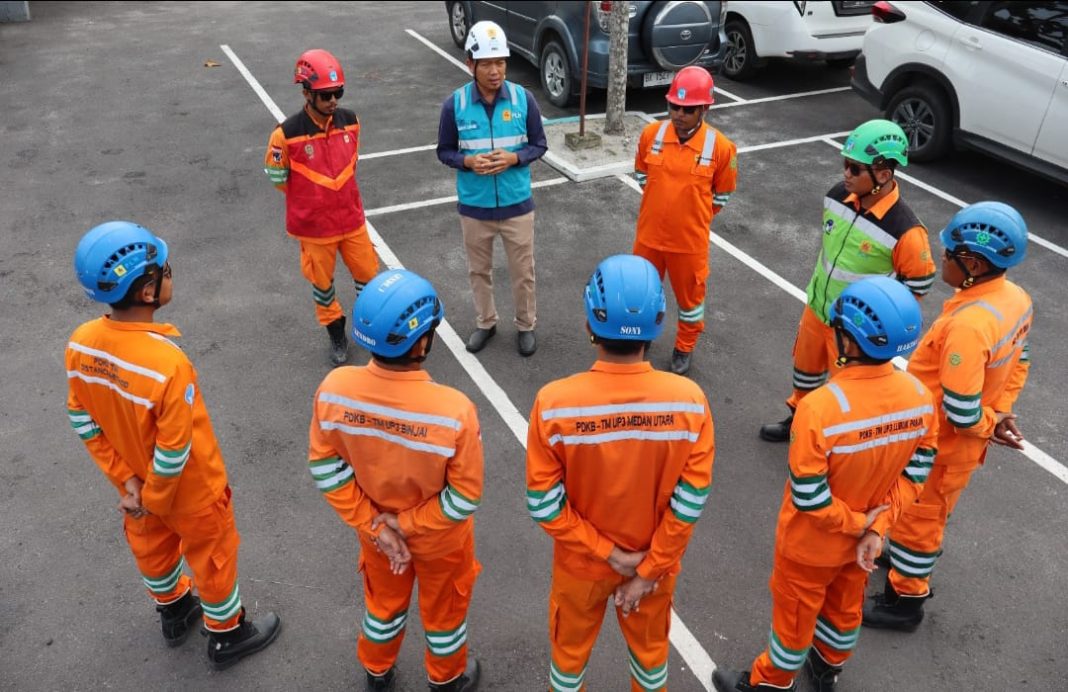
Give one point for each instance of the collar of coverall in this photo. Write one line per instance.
(864, 371)
(154, 327)
(502, 93)
(622, 368)
(671, 136)
(322, 121)
(967, 295)
(879, 209)
(379, 371)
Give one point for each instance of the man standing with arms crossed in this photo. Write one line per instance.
(861, 448)
(868, 230)
(975, 361)
(490, 131)
(134, 400)
(619, 466)
(399, 457)
(312, 159)
(688, 170)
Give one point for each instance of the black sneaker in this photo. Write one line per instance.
(526, 343)
(383, 682)
(339, 343)
(467, 682)
(177, 618)
(727, 680)
(479, 338)
(777, 432)
(227, 648)
(680, 361)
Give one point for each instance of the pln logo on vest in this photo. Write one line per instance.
(506, 116)
(865, 247)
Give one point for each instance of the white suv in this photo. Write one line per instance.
(988, 75)
(831, 31)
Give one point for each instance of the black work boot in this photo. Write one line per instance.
(892, 611)
(178, 617)
(823, 675)
(680, 361)
(727, 680)
(777, 432)
(339, 343)
(467, 682)
(227, 648)
(479, 338)
(383, 682)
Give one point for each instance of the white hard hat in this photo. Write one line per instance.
(486, 40)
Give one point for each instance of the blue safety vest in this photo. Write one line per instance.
(479, 134)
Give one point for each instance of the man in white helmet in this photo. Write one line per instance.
(490, 131)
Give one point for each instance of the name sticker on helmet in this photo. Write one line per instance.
(630, 331)
(390, 281)
(363, 337)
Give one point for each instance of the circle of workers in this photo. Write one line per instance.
(878, 457)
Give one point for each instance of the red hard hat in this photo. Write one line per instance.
(692, 86)
(318, 69)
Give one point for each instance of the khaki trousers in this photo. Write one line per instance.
(517, 234)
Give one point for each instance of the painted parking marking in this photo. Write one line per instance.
(696, 658)
(766, 99)
(446, 200)
(1043, 460)
(956, 200)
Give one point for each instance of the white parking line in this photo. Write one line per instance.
(395, 152)
(691, 651)
(766, 99)
(429, 44)
(738, 100)
(956, 200)
(1045, 461)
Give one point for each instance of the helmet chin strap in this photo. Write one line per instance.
(842, 359)
(426, 351)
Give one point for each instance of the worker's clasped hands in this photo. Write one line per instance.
(391, 542)
(629, 593)
(491, 162)
(131, 501)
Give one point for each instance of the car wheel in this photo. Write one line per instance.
(556, 77)
(741, 60)
(459, 23)
(923, 113)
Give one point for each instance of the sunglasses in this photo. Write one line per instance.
(688, 110)
(328, 95)
(854, 169)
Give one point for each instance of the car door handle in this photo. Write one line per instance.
(972, 42)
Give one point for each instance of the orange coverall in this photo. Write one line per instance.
(815, 350)
(975, 362)
(318, 253)
(685, 186)
(617, 456)
(133, 399)
(865, 439)
(396, 441)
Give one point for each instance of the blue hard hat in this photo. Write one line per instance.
(993, 230)
(111, 256)
(881, 315)
(625, 299)
(393, 311)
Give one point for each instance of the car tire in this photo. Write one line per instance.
(922, 110)
(556, 78)
(741, 61)
(459, 23)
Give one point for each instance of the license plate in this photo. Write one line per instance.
(651, 79)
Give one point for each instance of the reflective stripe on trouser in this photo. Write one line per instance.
(815, 353)
(517, 236)
(445, 586)
(916, 538)
(317, 261)
(576, 611)
(206, 542)
(688, 274)
(811, 606)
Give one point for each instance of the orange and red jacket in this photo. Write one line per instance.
(685, 185)
(620, 455)
(397, 442)
(866, 438)
(134, 401)
(975, 361)
(313, 160)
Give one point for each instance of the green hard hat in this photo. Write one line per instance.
(877, 141)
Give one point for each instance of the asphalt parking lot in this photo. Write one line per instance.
(109, 111)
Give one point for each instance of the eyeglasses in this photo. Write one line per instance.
(328, 95)
(688, 110)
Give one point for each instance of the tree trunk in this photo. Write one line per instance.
(617, 67)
